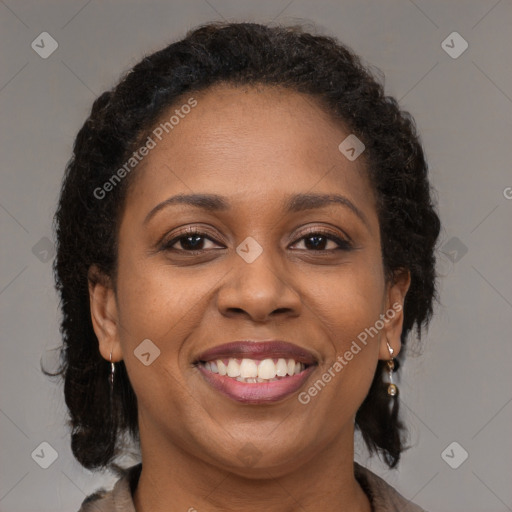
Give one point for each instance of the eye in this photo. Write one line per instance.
(317, 240)
(192, 241)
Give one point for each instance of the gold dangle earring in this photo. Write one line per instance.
(392, 389)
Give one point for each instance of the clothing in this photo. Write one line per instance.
(382, 496)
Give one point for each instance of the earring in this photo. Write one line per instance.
(112, 371)
(392, 389)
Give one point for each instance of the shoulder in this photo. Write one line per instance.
(119, 498)
(383, 497)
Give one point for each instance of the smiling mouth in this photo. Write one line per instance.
(254, 371)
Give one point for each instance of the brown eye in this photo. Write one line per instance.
(318, 240)
(191, 241)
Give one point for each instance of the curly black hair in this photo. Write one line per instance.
(87, 228)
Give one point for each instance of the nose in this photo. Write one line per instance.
(260, 290)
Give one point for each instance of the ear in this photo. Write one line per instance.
(104, 313)
(393, 313)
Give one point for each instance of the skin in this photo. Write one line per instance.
(254, 146)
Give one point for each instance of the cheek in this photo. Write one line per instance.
(347, 300)
(162, 305)
(154, 301)
(155, 306)
(347, 303)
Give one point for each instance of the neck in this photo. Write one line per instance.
(173, 480)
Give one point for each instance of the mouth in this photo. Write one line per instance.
(256, 372)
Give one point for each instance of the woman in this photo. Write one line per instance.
(245, 239)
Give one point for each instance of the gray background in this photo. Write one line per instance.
(459, 389)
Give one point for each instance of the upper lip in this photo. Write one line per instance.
(259, 350)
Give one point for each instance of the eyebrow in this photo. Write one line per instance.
(294, 203)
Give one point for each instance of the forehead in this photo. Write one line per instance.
(251, 143)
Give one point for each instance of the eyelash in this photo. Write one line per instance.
(343, 245)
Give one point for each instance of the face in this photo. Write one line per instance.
(263, 262)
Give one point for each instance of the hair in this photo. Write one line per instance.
(87, 228)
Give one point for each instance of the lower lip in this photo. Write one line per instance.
(257, 392)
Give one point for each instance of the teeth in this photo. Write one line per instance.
(267, 369)
(222, 367)
(255, 370)
(233, 368)
(248, 369)
(281, 368)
